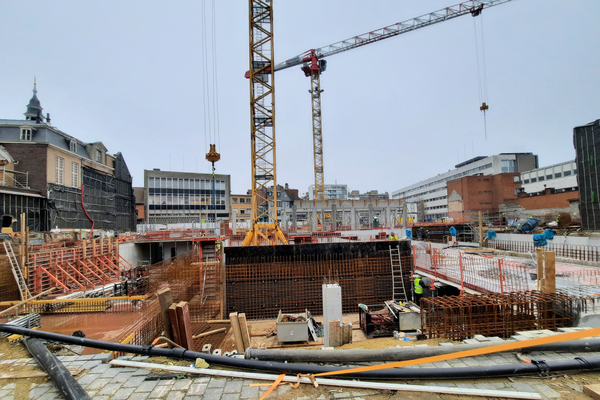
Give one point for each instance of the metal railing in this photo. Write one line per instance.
(576, 252)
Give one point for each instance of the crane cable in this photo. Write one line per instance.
(210, 87)
(481, 72)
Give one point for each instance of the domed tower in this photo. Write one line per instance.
(34, 108)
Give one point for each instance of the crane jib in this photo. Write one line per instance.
(473, 7)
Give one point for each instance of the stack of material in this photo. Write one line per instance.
(28, 321)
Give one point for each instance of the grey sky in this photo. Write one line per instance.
(129, 74)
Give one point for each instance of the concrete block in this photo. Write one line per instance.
(519, 337)
(497, 339)
(445, 344)
(470, 341)
(481, 338)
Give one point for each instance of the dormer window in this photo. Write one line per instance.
(25, 133)
(73, 146)
(99, 156)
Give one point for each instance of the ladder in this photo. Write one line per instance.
(21, 282)
(399, 291)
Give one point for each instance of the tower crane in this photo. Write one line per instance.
(313, 64)
(265, 228)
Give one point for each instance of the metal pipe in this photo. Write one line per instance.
(402, 353)
(62, 378)
(392, 373)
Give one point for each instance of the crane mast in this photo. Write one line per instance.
(313, 64)
(265, 228)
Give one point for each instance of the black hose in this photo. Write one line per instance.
(62, 378)
(288, 368)
(402, 353)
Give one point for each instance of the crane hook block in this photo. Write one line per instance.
(212, 155)
(483, 107)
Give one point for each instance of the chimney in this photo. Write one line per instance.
(48, 118)
(286, 186)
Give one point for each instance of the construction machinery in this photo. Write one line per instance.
(313, 64)
(265, 228)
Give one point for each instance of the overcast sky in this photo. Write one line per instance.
(130, 74)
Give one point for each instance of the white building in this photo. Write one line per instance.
(560, 177)
(432, 193)
(332, 192)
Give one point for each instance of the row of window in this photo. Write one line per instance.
(184, 183)
(188, 207)
(458, 175)
(435, 207)
(60, 172)
(418, 195)
(234, 200)
(541, 178)
(184, 199)
(436, 198)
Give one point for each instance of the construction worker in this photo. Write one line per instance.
(393, 236)
(417, 289)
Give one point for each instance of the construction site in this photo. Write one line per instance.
(360, 301)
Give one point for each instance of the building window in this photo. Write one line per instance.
(73, 146)
(549, 176)
(74, 174)
(533, 180)
(99, 156)
(508, 165)
(60, 170)
(25, 134)
(541, 178)
(567, 173)
(558, 175)
(234, 200)
(242, 200)
(525, 181)
(242, 211)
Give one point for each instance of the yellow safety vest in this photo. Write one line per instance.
(418, 287)
(394, 237)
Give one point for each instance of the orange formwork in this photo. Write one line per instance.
(88, 264)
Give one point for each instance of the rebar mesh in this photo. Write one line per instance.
(462, 317)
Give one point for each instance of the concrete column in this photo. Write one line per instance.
(314, 220)
(334, 216)
(234, 222)
(388, 217)
(322, 213)
(353, 218)
(371, 216)
(284, 220)
(405, 214)
(294, 218)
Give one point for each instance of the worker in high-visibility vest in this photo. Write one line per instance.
(417, 289)
(393, 236)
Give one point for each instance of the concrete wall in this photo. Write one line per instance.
(134, 252)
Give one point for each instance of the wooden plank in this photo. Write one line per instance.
(237, 333)
(540, 267)
(185, 325)
(550, 272)
(218, 321)
(335, 333)
(244, 330)
(174, 323)
(165, 299)
(209, 333)
(593, 391)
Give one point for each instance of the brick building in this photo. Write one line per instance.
(54, 167)
(485, 193)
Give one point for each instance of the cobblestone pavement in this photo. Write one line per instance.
(104, 381)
